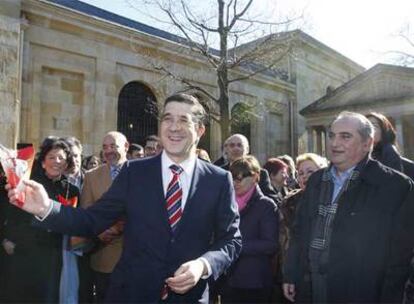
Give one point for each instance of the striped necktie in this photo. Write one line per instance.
(174, 197)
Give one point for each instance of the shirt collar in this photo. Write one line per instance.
(341, 176)
(188, 165)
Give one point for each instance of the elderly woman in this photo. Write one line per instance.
(250, 278)
(279, 174)
(306, 164)
(36, 262)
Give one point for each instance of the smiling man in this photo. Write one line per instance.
(352, 239)
(97, 181)
(182, 224)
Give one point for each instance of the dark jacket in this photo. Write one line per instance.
(152, 252)
(371, 240)
(408, 167)
(388, 155)
(259, 230)
(36, 264)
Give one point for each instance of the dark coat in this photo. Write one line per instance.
(259, 230)
(408, 167)
(388, 155)
(209, 228)
(36, 264)
(371, 241)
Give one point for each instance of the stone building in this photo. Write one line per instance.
(387, 89)
(69, 68)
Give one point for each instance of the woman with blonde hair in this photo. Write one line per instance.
(306, 164)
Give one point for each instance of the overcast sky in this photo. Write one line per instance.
(362, 30)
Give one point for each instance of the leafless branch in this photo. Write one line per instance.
(260, 69)
(183, 80)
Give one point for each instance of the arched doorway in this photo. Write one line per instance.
(137, 112)
(240, 119)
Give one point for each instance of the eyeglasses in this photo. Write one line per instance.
(239, 178)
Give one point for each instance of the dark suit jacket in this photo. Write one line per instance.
(209, 228)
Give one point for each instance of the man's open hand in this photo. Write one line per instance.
(187, 276)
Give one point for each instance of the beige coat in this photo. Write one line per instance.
(96, 183)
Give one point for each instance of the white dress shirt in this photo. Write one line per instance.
(185, 177)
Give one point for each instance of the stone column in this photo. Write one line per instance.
(10, 76)
(400, 133)
(318, 140)
(309, 133)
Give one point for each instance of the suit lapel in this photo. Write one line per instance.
(155, 177)
(195, 183)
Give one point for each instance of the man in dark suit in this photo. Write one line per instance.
(167, 254)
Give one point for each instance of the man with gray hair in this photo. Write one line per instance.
(352, 238)
(237, 146)
(97, 181)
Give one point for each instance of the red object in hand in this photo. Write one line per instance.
(13, 180)
(18, 168)
(12, 177)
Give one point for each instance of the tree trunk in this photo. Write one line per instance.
(222, 76)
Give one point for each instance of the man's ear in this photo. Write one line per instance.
(368, 145)
(201, 130)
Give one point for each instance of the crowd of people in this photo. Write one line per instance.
(161, 223)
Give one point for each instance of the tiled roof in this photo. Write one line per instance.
(108, 16)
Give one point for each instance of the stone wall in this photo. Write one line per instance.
(75, 67)
(10, 35)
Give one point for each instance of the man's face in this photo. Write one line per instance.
(235, 148)
(114, 150)
(346, 148)
(137, 154)
(77, 159)
(179, 131)
(152, 148)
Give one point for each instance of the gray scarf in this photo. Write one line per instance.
(322, 229)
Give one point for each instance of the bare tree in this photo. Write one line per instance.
(405, 57)
(224, 24)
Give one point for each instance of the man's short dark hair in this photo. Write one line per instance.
(72, 141)
(135, 147)
(152, 138)
(199, 112)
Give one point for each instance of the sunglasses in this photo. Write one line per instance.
(233, 145)
(239, 178)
